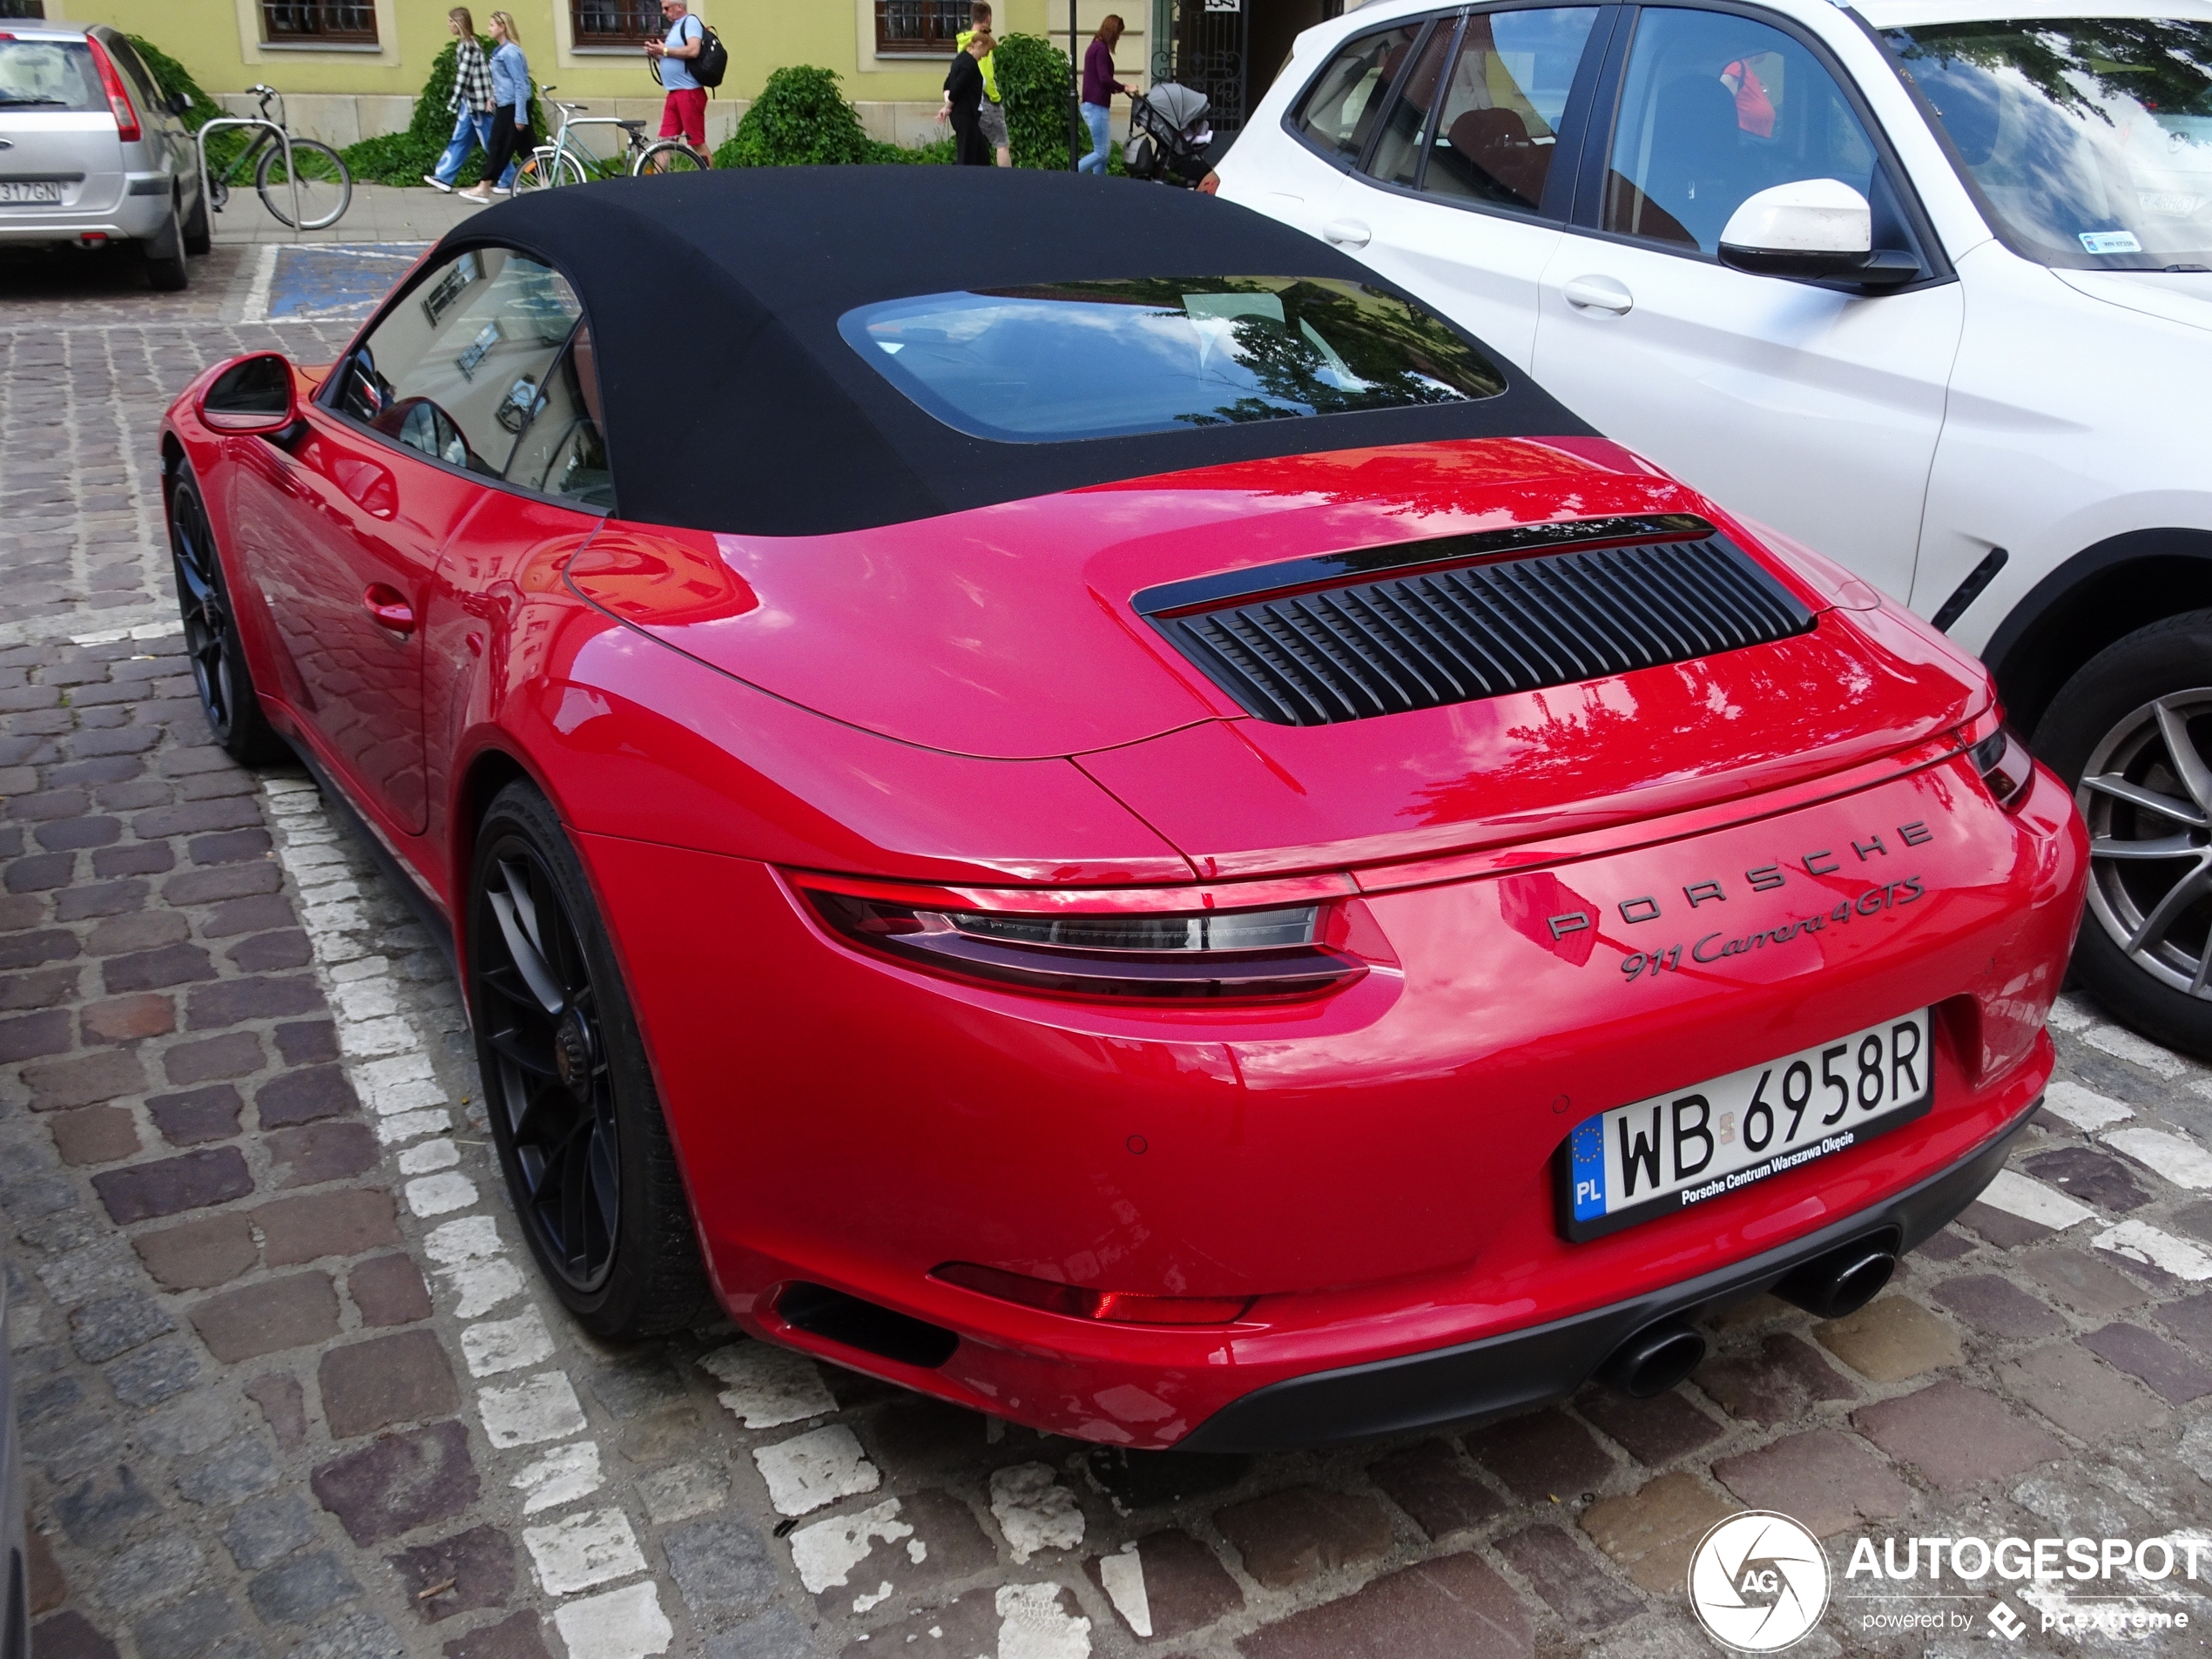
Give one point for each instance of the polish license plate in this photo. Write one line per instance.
(1674, 1151)
(25, 192)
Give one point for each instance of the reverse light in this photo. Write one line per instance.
(2005, 766)
(119, 99)
(1111, 1307)
(1119, 952)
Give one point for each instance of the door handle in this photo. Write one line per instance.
(1598, 293)
(1346, 232)
(389, 606)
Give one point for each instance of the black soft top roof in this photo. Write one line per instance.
(732, 403)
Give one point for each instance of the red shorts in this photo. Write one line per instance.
(684, 112)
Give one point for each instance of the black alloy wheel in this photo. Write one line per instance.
(212, 644)
(573, 1110)
(2132, 734)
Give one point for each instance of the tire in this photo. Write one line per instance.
(574, 1113)
(545, 170)
(326, 187)
(2131, 734)
(211, 644)
(198, 235)
(164, 254)
(669, 155)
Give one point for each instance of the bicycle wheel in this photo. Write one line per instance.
(546, 168)
(326, 188)
(669, 155)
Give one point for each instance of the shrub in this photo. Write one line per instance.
(799, 119)
(1037, 88)
(174, 77)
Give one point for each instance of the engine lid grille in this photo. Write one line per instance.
(1295, 648)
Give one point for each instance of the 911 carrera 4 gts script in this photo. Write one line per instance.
(1669, 1152)
(1718, 945)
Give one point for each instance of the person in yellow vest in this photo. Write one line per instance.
(993, 112)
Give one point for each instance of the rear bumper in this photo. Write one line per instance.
(1499, 1375)
(133, 219)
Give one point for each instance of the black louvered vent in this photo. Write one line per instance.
(1427, 638)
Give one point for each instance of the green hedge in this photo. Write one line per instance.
(802, 118)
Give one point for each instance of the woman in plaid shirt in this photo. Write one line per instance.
(471, 101)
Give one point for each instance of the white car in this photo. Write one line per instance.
(1924, 284)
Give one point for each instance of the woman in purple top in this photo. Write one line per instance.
(1099, 87)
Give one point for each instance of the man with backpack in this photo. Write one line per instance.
(689, 49)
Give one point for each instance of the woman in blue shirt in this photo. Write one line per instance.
(510, 96)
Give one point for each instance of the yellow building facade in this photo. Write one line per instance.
(349, 69)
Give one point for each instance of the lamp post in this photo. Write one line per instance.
(1075, 92)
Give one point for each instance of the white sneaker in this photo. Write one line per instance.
(437, 184)
(502, 190)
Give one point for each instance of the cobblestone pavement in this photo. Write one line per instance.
(287, 1386)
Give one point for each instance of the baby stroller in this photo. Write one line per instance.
(1169, 136)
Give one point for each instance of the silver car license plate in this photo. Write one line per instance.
(27, 192)
(1673, 1151)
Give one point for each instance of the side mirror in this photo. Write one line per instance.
(1814, 230)
(254, 394)
(177, 104)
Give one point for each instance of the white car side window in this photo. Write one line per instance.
(1503, 105)
(1716, 108)
(1341, 108)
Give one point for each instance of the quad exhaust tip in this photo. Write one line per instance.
(1838, 1282)
(1845, 1280)
(1654, 1360)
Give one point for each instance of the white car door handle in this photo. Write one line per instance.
(1346, 232)
(1598, 293)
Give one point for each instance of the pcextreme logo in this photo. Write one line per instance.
(1758, 1582)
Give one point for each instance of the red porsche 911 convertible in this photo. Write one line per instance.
(1052, 793)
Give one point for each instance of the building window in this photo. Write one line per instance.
(925, 28)
(319, 23)
(23, 9)
(615, 23)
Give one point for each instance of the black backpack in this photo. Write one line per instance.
(713, 61)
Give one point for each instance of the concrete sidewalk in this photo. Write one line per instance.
(379, 214)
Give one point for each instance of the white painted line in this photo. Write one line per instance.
(484, 1286)
(543, 1408)
(1035, 1511)
(767, 1386)
(2176, 1156)
(408, 1126)
(441, 1193)
(825, 1553)
(2141, 1051)
(1122, 1576)
(625, 1623)
(579, 1551)
(563, 1476)
(2141, 1242)
(430, 1155)
(492, 1346)
(2086, 1111)
(2016, 1195)
(815, 1469)
(257, 295)
(1032, 1624)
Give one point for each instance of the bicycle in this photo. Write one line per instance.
(563, 162)
(325, 187)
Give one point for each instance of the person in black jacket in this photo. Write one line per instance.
(964, 100)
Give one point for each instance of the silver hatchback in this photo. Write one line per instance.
(93, 150)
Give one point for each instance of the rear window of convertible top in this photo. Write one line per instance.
(1109, 359)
